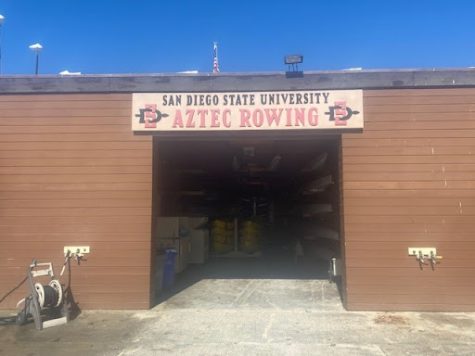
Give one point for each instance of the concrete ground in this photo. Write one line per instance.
(209, 313)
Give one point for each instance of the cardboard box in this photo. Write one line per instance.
(168, 227)
(183, 256)
(174, 226)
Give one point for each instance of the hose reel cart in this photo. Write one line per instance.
(43, 299)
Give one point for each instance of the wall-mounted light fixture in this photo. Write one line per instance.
(292, 61)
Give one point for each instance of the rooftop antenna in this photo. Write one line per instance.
(215, 58)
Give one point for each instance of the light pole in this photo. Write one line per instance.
(37, 49)
(2, 19)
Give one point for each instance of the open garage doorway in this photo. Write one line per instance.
(246, 209)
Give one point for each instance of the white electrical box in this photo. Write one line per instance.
(424, 251)
(76, 250)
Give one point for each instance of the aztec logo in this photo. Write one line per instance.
(340, 113)
(150, 116)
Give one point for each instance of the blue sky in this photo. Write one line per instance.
(144, 36)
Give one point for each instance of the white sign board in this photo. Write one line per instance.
(248, 111)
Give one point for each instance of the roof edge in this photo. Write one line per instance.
(247, 81)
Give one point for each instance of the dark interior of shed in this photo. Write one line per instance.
(274, 200)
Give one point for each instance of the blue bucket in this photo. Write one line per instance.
(169, 268)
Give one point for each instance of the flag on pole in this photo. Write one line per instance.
(215, 58)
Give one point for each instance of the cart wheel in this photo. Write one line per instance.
(21, 317)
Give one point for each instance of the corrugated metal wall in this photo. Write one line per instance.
(408, 180)
(73, 173)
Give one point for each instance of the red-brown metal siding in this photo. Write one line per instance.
(73, 173)
(409, 181)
